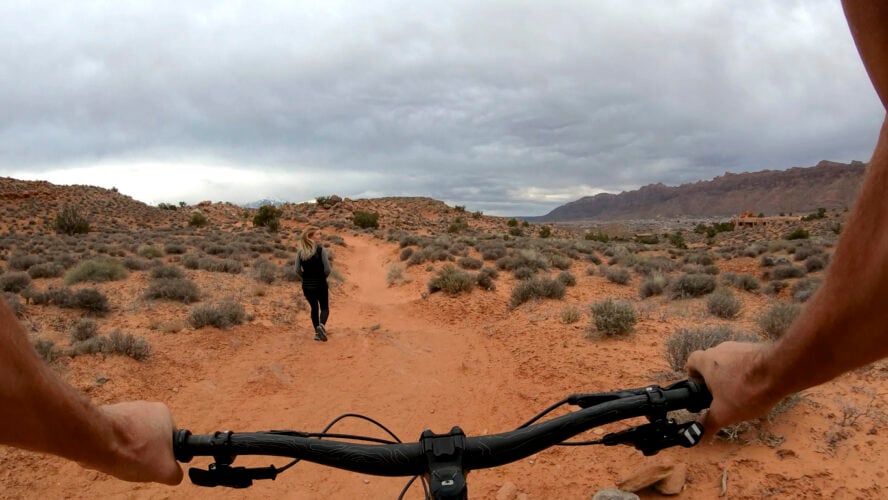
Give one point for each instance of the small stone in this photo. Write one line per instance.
(675, 483)
(508, 491)
(645, 476)
(614, 494)
(366, 481)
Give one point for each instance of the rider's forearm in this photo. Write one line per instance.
(844, 325)
(42, 413)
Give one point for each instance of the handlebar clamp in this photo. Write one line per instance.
(444, 455)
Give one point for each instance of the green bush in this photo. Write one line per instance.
(692, 285)
(723, 303)
(91, 300)
(221, 314)
(178, 289)
(198, 219)
(536, 288)
(798, 233)
(269, 217)
(70, 221)
(451, 281)
(545, 232)
(613, 317)
(366, 220)
(776, 320)
(96, 270)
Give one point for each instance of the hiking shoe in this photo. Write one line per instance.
(320, 334)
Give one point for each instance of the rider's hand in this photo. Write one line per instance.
(735, 373)
(144, 443)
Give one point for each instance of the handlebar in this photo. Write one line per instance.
(453, 449)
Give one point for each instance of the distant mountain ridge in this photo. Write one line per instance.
(829, 185)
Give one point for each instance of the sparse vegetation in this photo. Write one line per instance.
(96, 270)
(777, 319)
(613, 317)
(451, 281)
(723, 303)
(692, 285)
(70, 221)
(536, 288)
(221, 314)
(687, 340)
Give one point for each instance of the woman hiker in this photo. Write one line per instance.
(313, 267)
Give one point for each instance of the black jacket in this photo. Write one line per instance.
(313, 271)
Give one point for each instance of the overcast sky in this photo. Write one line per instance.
(508, 107)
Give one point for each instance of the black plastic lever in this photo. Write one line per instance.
(655, 436)
(231, 477)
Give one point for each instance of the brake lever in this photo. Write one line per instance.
(230, 477)
(658, 435)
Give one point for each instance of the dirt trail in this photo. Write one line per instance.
(415, 362)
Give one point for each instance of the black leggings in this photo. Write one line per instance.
(318, 298)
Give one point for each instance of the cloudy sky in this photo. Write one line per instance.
(508, 107)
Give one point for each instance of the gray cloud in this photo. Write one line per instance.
(506, 107)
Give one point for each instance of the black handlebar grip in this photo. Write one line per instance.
(701, 398)
(180, 445)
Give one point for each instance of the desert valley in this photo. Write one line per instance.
(439, 317)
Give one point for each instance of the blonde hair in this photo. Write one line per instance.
(306, 246)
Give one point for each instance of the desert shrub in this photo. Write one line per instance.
(96, 270)
(366, 220)
(135, 263)
(617, 275)
(566, 278)
(741, 281)
(768, 261)
(470, 263)
(700, 258)
(149, 251)
(23, 262)
(524, 273)
(525, 258)
(783, 272)
(406, 253)
(161, 272)
(395, 275)
(798, 233)
(594, 259)
(451, 281)
(15, 281)
(269, 217)
(777, 319)
(685, 341)
(91, 300)
(692, 285)
(485, 278)
(127, 345)
(775, 287)
(570, 315)
(815, 263)
(229, 266)
(47, 350)
(70, 221)
(174, 248)
(221, 314)
(191, 261)
(83, 329)
(493, 252)
(172, 288)
(536, 288)
(264, 271)
(711, 270)
(46, 270)
(561, 262)
(653, 285)
(14, 304)
(198, 220)
(613, 317)
(804, 289)
(648, 265)
(723, 303)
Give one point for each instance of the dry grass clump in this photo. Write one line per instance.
(14, 282)
(570, 315)
(470, 263)
(451, 281)
(395, 275)
(618, 275)
(486, 277)
(22, 262)
(741, 281)
(149, 251)
(785, 271)
(536, 288)
(687, 340)
(723, 303)
(46, 270)
(83, 329)
(804, 289)
(179, 289)
(566, 278)
(264, 271)
(116, 342)
(164, 272)
(654, 284)
(692, 285)
(96, 270)
(613, 317)
(221, 314)
(774, 322)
